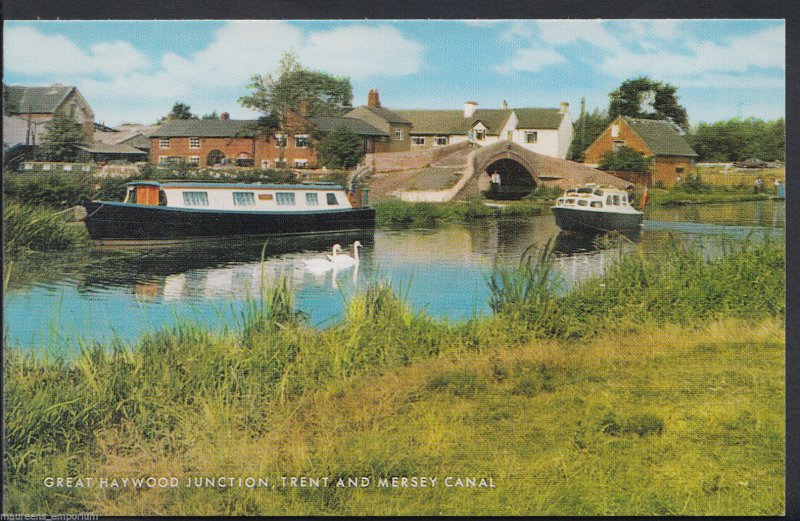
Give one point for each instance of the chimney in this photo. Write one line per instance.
(225, 116)
(469, 108)
(563, 107)
(505, 105)
(373, 100)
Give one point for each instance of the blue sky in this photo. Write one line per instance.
(133, 71)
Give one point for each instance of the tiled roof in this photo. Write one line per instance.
(357, 126)
(535, 118)
(387, 115)
(660, 137)
(437, 122)
(207, 128)
(102, 148)
(35, 100)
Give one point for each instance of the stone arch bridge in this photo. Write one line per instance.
(519, 172)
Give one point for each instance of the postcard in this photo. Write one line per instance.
(394, 267)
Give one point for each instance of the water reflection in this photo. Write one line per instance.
(442, 270)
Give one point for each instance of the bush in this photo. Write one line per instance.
(56, 190)
(624, 160)
(693, 183)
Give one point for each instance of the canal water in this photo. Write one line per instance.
(121, 294)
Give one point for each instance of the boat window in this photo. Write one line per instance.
(162, 198)
(584, 190)
(284, 198)
(560, 201)
(598, 192)
(244, 198)
(312, 199)
(597, 204)
(332, 199)
(624, 199)
(195, 198)
(570, 201)
(616, 200)
(131, 196)
(583, 202)
(609, 201)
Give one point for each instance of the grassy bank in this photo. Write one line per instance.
(677, 197)
(30, 229)
(657, 389)
(397, 213)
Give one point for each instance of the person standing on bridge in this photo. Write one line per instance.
(495, 180)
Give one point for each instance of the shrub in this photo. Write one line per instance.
(624, 160)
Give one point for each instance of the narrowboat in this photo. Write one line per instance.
(159, 211)
(596, 209)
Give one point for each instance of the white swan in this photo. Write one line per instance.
(321, 265)
(343, 260)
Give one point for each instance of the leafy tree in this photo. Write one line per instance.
(341, 148)
(624, 160)
(63, 134)
(648, 99)
(737, 140)
(212, 115)
(587, 129)
(296, 90)
(179, 111)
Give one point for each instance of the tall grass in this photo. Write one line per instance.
(29, 228)
(187, 387)
(401, 214)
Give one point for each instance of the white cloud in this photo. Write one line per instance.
(532, 60)
(113, 74)
(28, 51)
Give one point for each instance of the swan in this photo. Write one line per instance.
(321, 265)
(343, 260)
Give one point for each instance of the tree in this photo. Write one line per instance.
(739, 139)
(624, 160)
(296, 91)
(587, 129)
(63, 134)
(341, 148)
(179, 111)
(212, 115)
(648, 99)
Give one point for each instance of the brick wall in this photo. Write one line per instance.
(605, 143)
(420, 158)
(259, 149)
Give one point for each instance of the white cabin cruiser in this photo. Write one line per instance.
(593, 208)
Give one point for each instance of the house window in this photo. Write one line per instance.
(679, 170)
(398, 135)
(440, 141)
(284, 198)
(195, 198)
(531, 137)
(618, 143)
(244, 199)
(417, 140)
(280, 163)
(163, 142)
(194, 142)
(312, 199)
(301, 141)
(194, 161)
(265, 163)
(280, 141)
(614, 130)
(480, 134)
(332, 199)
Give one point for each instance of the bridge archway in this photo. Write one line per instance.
(505, 172)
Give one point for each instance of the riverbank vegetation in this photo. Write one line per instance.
(654, 390)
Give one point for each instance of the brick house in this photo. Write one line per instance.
(209, 142)
(669, 154)
(543, 130)
(29, 109)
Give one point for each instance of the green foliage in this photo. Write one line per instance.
(341, 148)
(29, 228)
(693, 183)
(59, 190)
(648, 99)
(63, 134)
(624, 160)
(179, 111)
(740, 139)
(587, 129)
(298, 90)
(212, 115)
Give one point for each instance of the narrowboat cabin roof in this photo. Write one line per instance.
(284, 186)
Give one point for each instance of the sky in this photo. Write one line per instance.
(134, 71)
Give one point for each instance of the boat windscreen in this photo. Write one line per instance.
(584, 190)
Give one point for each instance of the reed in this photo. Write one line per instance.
(392, 391)
(29, 228)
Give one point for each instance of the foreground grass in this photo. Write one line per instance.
(30, 229)
(632, 394)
